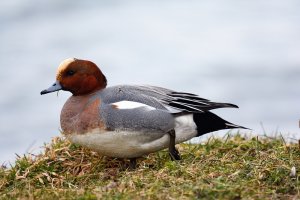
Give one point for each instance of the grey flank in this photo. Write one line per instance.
(167, 103)
(139, 119)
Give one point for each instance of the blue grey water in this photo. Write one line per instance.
(243, 52)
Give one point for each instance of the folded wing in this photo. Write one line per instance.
(162, 98)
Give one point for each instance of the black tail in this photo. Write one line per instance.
(208, 122)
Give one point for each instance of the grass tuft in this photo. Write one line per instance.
(231, 168)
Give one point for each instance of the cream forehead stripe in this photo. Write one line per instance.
(65, 63)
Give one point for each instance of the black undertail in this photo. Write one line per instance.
(208, 122)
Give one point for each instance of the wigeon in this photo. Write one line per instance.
(129, 121)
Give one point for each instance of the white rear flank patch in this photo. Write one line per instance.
(131, 105)
(185, 128)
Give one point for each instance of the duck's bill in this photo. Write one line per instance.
(55, 87)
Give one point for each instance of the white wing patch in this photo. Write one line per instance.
(131, 105)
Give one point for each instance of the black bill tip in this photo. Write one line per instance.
(44, 92)
(54, 87)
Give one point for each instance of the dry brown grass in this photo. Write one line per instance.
(232, 168)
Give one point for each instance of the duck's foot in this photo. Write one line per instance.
(173, 152)
(132, 163)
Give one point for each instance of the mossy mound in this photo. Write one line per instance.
(230, 168)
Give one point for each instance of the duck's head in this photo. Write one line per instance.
(80, 77)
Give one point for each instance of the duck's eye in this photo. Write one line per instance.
(70, 72)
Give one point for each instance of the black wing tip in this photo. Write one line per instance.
(232, 105)
(193, 103)
(222, 105)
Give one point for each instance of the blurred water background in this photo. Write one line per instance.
(243, 52)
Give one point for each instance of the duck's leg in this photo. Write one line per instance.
(174, 154)
(132, 164)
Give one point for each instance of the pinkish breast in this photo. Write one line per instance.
(80, 116)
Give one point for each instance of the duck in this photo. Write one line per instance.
(130, 121)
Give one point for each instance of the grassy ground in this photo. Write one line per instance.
(231, 168)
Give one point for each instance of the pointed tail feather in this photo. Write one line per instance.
(208, 122)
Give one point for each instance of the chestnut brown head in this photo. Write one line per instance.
(80, 77)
